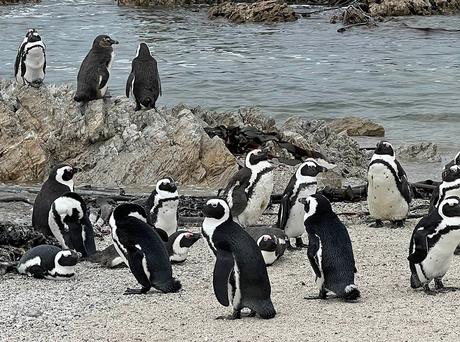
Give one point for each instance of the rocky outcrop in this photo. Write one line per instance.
(387, 8)
(10, 2)
(110, 142)
(269, 11)
(423, 152)
(355, 126)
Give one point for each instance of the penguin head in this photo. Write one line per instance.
(309, 168)
(166, 185)
(450, 207)
(187, 239)
(267, 243)
(127, 209)
(217, 209)
(103, 41)
(32, 36)
(66, 258)
(143, 51)
(455, 161)
(451, 174)
(316, 204)
(384, 148)
(63, 173)
(256, 156)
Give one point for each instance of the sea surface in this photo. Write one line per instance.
(408, 80)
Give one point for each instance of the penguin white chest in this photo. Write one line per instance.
(167, 217)
(259, 200)
(384, 199)
(34, 62)
(109, 68)
(295, 224)
(269, 257)
(234, 292)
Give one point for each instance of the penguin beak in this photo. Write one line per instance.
(302, 200)
(113, 41)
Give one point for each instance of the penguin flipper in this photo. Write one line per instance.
(222, 270)
(420, 243)
(163, 234)
(76, 238)
(104, 77)
(135, 257)
(313, 248)
(37, 271)
(129, 83)
(90, 244)
(405, 188)
(283, 213)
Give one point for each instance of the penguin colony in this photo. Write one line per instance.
(146, 237)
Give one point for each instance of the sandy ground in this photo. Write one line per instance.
(92, 307)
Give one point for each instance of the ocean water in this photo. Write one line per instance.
(407, 80)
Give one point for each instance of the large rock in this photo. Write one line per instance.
(423, 152)
(110, 142)
(260, 11)
(10, 2)
(387, 8)
(355, 126)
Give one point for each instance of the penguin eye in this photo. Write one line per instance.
(214, 205)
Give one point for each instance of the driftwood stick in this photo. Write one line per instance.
(15, 199)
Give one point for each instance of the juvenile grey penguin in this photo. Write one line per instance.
(49, 262)
(179, 243)
(450, 186)
(240, 276)
(388, 191)
(30, 64)
(94, 73)
(144, 80)
(69, 222)
(291, 212)
(329, 250)
(142, 249)
(271, 241)
(248, 192)
(59, 182)
(162, 204)
(432, 245)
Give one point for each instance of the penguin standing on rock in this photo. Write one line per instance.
(30, 64)
(94, 73)
(240, 276)
(59, 182)
(248, 192)
(144, 79)
(142, 249)
(291, 212)
(388, 192)
(162, 204)
(49, 262)
(69, 222)
(329, 250)
(432, 245)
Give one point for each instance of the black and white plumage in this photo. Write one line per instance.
(144, 80)
(388, 192)
(240, 276)
(248, 192)
(30, 65)
(329, 249)
(291, 212)
(450, 186)
(142, 249)
(179, 243)
(59, 182)
(49, 262)
(433, 243)
(94, 73)
(162, 204)
(455, 161)
(69, 222)
(271, 241)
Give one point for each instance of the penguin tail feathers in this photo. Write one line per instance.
(266, 309)
(172, 286)
(351, 292)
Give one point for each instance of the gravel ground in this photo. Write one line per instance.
(93, 307)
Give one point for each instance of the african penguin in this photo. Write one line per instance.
(388, 191)
(179, 243)
(240, 276)
(248, 192)
(30, 64)
(162, 205)
(141, 248)
(49, 262)
(69, 222)
(291, 212)
(94, 73)
(329, 250)
(271, 241)
(144, 80)
(433, 243)
(450, 186)
(455, 161)
(59, 182)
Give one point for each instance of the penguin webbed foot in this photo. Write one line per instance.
(322, 295)
(290, 247)
(428, 291)
(235, 315)
(130, 291)
(439, 287)
(138, 107)
(397, 223)
(376, 224)
(299, 243)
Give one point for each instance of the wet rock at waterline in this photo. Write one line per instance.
(386, 8)
(269, 11)
(422, 152)
(11, 2)
(355, 126)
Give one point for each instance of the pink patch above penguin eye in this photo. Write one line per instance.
(188, 235)
(267, 237)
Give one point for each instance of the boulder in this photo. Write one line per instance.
(386, 8)
(109, 141)
(10, 2)
(269, 11)
(355, 126)
(420, 152)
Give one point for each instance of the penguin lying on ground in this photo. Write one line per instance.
(162, 205)
(59, 182)
(94, 73)
(49, 262)
(69, 222)
(291, 212)
(329, 250)
(388, 192)
(144, 80)
(248, 192)
(142, 249)
(432, 245)
(240, 276)
(271, 241)
(30, 64)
